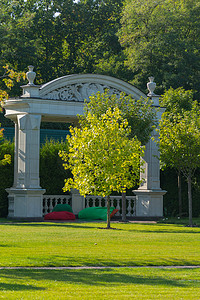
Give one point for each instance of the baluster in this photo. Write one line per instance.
(129, 208)
(56, 201)
(93, 202)
(134, 206)
(105, 202)
(45, 206)
(112, 202)
(100, 202)
(86, 202)
(51, 204)
(61, 200)
(118, 207)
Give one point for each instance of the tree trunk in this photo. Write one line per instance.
(108, 212)
(190, 199)
(179, 194)
(123, 207)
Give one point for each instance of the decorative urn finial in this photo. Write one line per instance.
(151, 86)
(31, 75)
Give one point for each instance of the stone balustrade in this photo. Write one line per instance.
(115, 201)
(49, 201)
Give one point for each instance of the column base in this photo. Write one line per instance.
(25, 204)
(149, 203)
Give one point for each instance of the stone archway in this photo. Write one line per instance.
(61, 100)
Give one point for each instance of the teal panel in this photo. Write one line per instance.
(56, 134)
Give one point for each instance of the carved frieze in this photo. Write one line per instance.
(79, 92)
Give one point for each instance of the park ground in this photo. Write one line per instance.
(83, 260)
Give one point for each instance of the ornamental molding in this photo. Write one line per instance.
(79, 92)
(79, 87)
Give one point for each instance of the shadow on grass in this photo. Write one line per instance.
(56, 261)
(88, 277)
(18, 287)
(66, 225)
(136, 227)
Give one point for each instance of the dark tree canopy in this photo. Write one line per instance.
(61, 37)
(162, 38)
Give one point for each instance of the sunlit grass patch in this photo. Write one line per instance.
(125, 283)
(84, 244)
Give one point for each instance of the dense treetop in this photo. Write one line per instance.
(130, 39)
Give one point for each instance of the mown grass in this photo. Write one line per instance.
(125, 283)
(179, 220)
(85, 244)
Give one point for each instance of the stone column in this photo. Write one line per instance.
(25, 197)
(149, 196)
(16, 154)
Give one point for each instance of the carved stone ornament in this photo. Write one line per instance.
(30, 75)
(79, 92)
(151, 85)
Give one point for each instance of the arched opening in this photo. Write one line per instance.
(60, 101)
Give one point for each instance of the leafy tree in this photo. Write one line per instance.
(102, 157)
(162, 38)
(6, 159)
(139, 114)
(59, 37)
(179, 144)
(8, 79)
(177, 101)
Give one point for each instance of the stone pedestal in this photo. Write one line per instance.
(78, 201)
(149, 203)
(25, 204)
(149, 196)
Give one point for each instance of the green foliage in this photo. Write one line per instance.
(180, 140)
(6, 158)
(179, 144)
(58, 37)
(141, 116)
(101, 156)
(162, 38)
(52, 174)
(177, 100)
(6, 174)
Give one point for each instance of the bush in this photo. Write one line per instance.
(52, 173)
(6, 175)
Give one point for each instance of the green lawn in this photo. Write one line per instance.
(86, 244)
(100, 284)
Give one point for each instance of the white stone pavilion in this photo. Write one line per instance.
(61, 100)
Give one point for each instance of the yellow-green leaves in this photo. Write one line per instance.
(101, 156)
(7, 157)
(180, 139)
(140, 114)
(9, 78)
